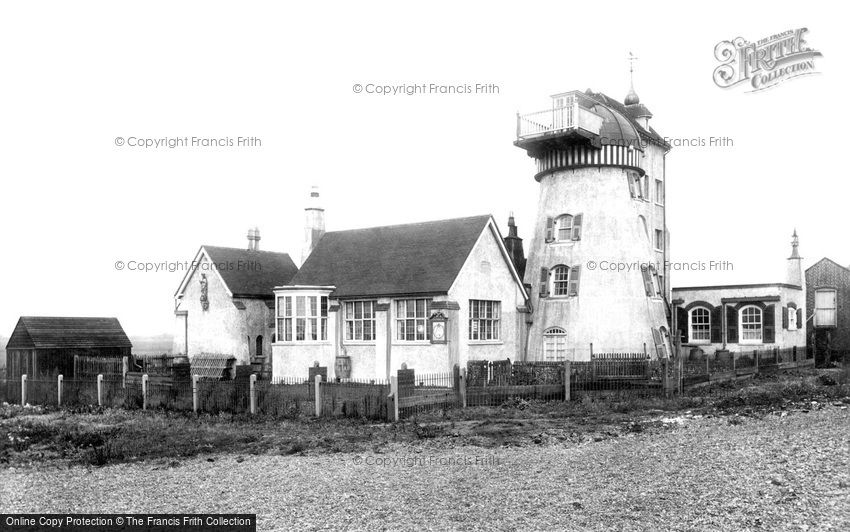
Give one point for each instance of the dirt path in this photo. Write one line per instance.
(789, 472)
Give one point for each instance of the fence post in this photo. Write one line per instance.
(708, 365)
(318, 395)
(195, 394)
(756, 357)
(145, 391)
(394, 394)
(252, 392)
(59, 390)
(23, 389)
(125, 367)
(734, 366)
(99, 389)
(567, 374)
(462, 387)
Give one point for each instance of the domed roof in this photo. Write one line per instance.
(617, 130)
(631, 97)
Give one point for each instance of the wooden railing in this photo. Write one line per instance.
(557, 120)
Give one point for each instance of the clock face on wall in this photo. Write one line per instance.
(439, 330)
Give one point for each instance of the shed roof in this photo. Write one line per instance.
(42, 332)
(418, 258)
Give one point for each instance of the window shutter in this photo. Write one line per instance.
(647, 281)
(785, 317)
(577, 227)
(800, 324)
(731, 325)
(544, 282)
(575, 274)
(682, 323)
(550, 229)
(716, 324)
(659, 343)
(769, 324)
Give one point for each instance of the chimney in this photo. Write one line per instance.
(314, 227)
(254, 239)
(794, 270)
(513, 243)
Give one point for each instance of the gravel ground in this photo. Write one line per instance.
(780, 472)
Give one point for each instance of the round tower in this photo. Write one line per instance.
(597, 257)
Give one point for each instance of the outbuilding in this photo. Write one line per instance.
(42, 346)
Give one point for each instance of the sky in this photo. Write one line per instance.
(78, 75)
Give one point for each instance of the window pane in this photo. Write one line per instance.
(400, 330)
(324, 306)
(288, 329)
(349, 330)
(300, 306)
(314, 309)
(410, 329)
(288, 305)
(324, 324)
(349, 310)
(300, 326)
(358, 310)
(314, 329)
(358, 330)
(420, 308)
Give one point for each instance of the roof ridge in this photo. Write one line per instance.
(244, 249)
(410, 224)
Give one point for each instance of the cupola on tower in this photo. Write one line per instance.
(597, 257)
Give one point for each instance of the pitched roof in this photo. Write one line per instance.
(419, 258)
(248, 273)
(37, 332)
(827, 259)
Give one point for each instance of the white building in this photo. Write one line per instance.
(225, 303)
(745, 316)
(430, 295)
(597, 255)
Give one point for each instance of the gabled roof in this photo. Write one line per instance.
(36, 332)
(418, 258)
(246, 273)
(830, 261)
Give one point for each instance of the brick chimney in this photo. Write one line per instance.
(254, 239)
(513, 243)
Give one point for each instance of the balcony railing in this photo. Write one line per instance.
(559, 119)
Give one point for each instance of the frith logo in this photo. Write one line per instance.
(765, 63)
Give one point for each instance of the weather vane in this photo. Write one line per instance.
(632, 59)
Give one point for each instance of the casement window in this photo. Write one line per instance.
(750, 324)
(700, 325)
(645, 191)
(302, 318)
(360, 321)
(565, 280)
(484, 319)
(659, 240)
(825, 308)
(791, 316)
(412, 319)
(555, 344)
(636, 188)
(659, 192)
(564, 228)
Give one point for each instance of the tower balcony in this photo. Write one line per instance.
(570, 117)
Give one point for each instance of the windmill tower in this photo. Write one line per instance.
(600, 245)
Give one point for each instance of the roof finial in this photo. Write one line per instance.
(632, 97)
(795, 242)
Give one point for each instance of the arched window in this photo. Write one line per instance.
(555, 344)
(643, 227)
(560, 280)
(564, 225)
(700, 325)
(751, 324)
(259, 346)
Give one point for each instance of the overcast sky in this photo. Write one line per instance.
(78, 75)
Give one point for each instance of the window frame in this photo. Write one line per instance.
(659, 234)
(659, 192)
(416, 319)
(741, 329)
(834, 308)
(692, 336)
(557, 283)
(491, 323)
(558, 335)
(314, 314)
(557, 229)
(362, 320)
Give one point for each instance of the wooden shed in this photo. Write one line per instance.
(44, 346)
